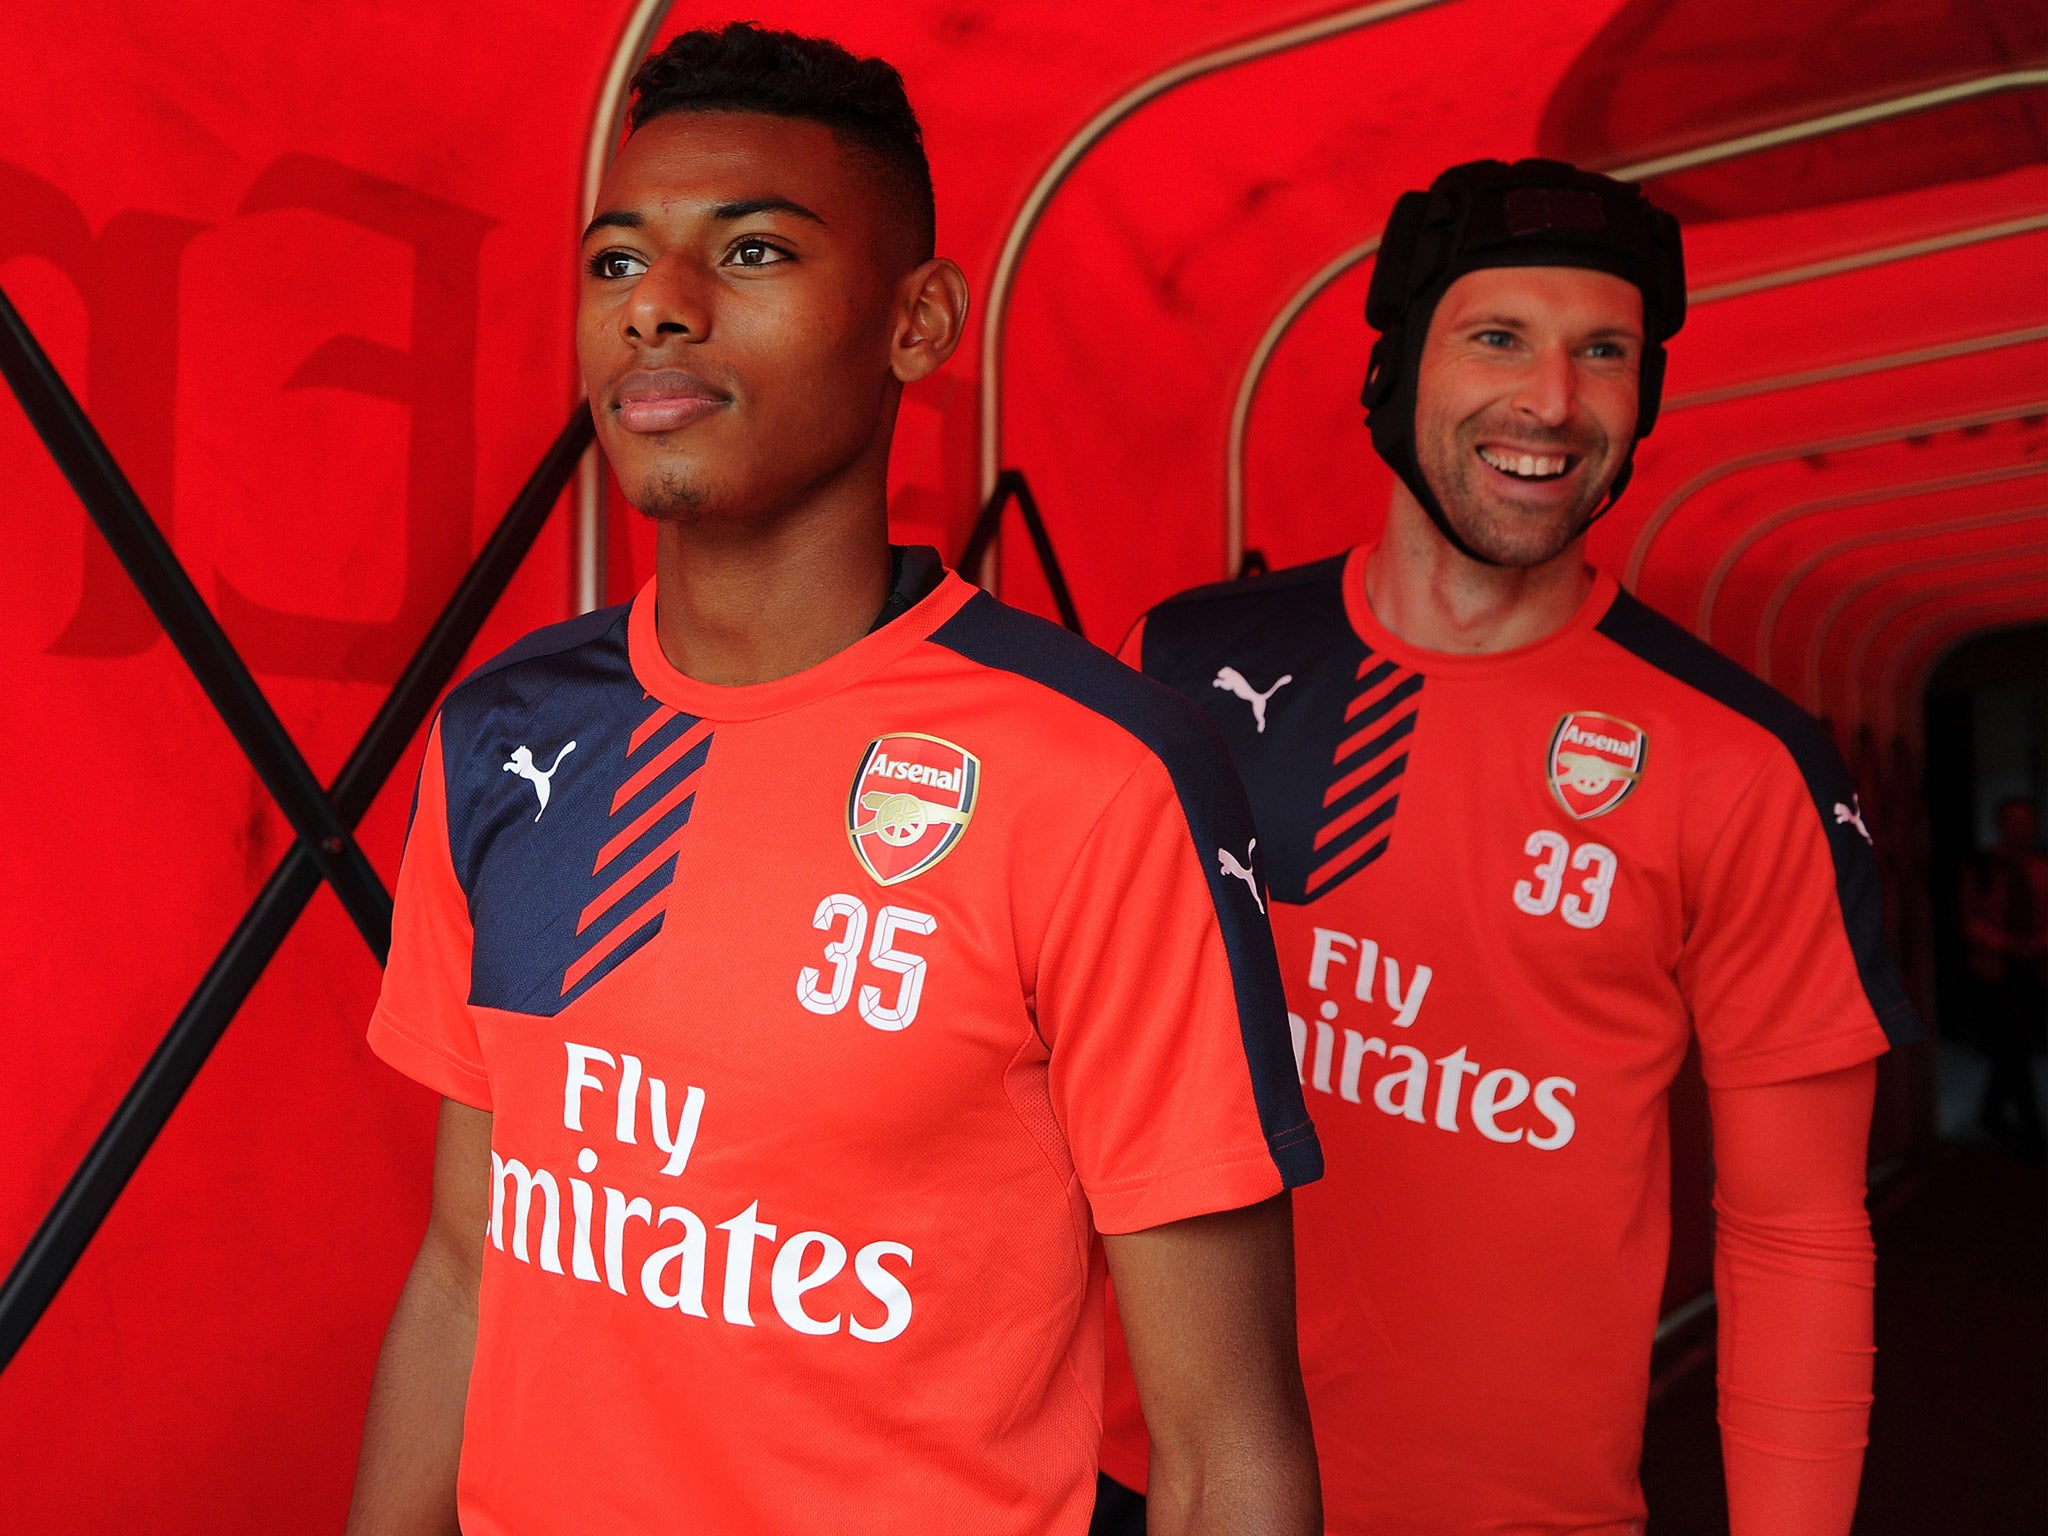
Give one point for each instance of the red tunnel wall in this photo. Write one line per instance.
(310, 274)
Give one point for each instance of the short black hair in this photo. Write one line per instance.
(746, 68)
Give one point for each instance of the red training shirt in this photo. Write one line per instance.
(1507, 889)
(823, 1024)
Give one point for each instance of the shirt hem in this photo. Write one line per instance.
(1809, 1058)
(1226, 1185)
(1133, 1473)
(427, 1064)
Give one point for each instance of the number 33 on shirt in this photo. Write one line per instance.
(1583, 908)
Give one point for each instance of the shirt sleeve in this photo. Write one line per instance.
(1158, 996)
(1778, 966)
(422, 1024)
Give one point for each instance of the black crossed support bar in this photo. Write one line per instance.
(1012, 486)
(142, 549)
(325, 821)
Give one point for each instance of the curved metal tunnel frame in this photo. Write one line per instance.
(1786, 517)
(644, 23)
(1919, 598)
(1646, 537)
(1875, 538)
(1814, 689)
(1817, 643)
(1927, 642)
(1709, 154)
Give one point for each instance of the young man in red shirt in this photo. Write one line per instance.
(1525, 840)
(823, 966)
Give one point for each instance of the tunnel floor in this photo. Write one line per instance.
(1959, 1433)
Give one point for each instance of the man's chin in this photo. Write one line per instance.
(669, 498)
(1519, 540)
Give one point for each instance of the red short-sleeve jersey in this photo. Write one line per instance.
(823, 1025)
(1507, 889)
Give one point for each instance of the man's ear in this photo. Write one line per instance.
(932, 317)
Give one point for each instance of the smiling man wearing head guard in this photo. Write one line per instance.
(1527, 841)
(1490, 217)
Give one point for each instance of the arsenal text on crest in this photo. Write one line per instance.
(1594, 763)
(912, 798)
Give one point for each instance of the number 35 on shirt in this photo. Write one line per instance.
(847, 916)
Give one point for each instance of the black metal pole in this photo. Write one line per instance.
(62, 1237)
(1055, 578)
(111, 502)
(406, 707)
(986, 522)
(1012, 486)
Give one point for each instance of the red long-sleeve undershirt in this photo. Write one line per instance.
(1794, 1271)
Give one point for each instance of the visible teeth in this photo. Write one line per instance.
(1528, 465)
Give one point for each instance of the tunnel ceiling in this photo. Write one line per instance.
(1868, 250)
(1665, 75)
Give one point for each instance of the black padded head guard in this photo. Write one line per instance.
(1534, 213)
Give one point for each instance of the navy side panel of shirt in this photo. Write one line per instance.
(1218, 817)
(1649, 636)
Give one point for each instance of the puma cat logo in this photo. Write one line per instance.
(523, 765)
(1226, 864)
(1230, 680)
(1851, 815)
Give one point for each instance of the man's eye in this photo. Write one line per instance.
(757, 253)
(616, 264)
(1495, 338)
(1612, 351)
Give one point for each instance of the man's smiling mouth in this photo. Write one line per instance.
(1528, 466)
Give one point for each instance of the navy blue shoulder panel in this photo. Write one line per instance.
(1317, 724)
(1652, 638)
(542, 642)
(567, 797)
(552, 639)
(1219, 820)
(1283, 583)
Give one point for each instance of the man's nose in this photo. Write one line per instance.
(671, 302)
(1547, 387)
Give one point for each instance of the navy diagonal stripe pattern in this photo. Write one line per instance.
(613, 865)
(560, 896)
(1315, 764)
(1365, 780)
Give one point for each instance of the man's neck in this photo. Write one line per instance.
(1436, 599)
(741, 604)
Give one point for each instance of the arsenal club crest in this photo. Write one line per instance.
(912, 799)
(1594, 762)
